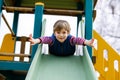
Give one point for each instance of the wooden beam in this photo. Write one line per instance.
(20, 9)
(13, 54)
(63, 12)
(46, 11)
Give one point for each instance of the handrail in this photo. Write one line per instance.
(13, 34)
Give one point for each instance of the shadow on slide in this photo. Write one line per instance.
(50, 67)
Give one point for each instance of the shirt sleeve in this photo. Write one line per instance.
(77, 41)
(46, 40)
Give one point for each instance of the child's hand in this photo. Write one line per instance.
(89, 42)
(31, 39)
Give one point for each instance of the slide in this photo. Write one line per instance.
(50, 67)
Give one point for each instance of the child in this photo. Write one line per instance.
(61, 43)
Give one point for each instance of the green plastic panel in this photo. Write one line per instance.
(59, 4)
(49, 67)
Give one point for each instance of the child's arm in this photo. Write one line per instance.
(42, 40)
(81, 41)
(89, 42)
(33, 41)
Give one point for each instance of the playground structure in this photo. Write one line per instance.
(35, 64)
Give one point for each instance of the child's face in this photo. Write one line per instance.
(61, 35)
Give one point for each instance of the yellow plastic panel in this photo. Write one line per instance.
(7, 47)
(106, 57)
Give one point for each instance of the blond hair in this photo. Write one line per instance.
(61, 24)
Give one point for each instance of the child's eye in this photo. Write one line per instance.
(64, 32)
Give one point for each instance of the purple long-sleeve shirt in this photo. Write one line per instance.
(73, 40)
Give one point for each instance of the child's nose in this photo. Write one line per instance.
(61, 34)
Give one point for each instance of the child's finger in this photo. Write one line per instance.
(30, 35)
(92, 40)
